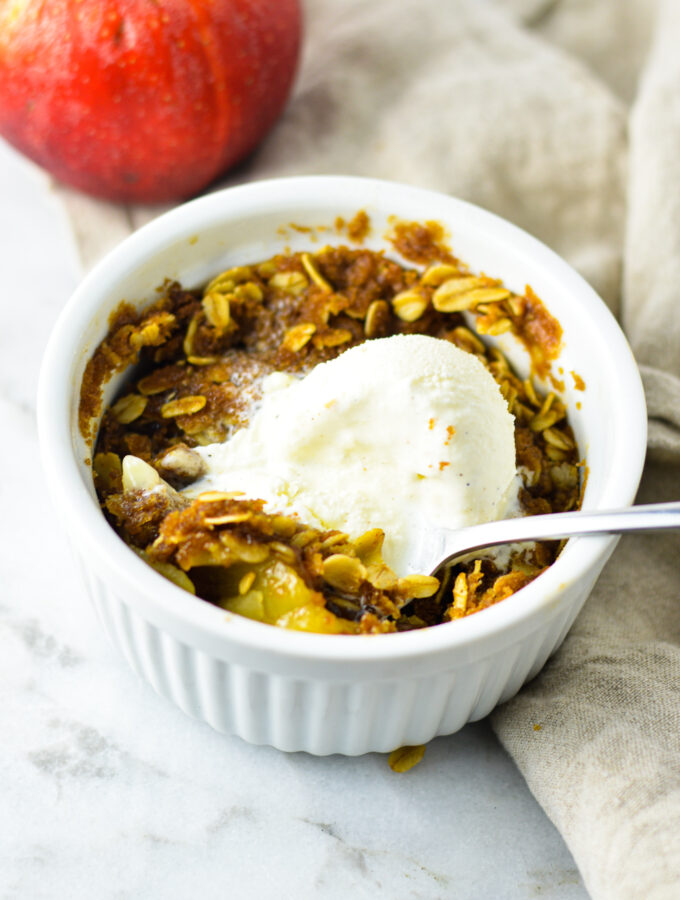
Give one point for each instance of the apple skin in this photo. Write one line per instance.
(143, 100)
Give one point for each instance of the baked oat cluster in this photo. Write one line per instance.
(199, 358)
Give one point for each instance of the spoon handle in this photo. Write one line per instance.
(649, 517)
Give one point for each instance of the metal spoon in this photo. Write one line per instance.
(439, 547)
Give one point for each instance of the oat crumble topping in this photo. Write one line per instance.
(200, 357)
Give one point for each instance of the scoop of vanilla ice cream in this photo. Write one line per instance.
(390, 433)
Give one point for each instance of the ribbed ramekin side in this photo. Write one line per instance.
(539, 645)
(213, 682)
(499, 670)
(548, 639)
(529, 659)
(519, 663)
(113, 615)
(571, 610)
(321, 716)
(464, 696)
(362, 708)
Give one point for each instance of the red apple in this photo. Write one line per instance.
(143, 100)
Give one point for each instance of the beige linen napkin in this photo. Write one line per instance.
(605, 763)
(523, 106)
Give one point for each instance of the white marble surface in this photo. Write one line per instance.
(106, 791)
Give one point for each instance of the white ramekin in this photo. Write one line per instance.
(323, 693)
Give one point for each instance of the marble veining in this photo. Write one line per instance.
(108, 791)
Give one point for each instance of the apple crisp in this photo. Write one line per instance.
(197, 359)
